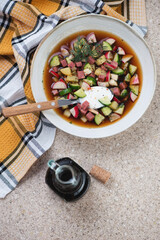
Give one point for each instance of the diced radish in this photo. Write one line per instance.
(70, 96)
(111, 41)
(54, 73)
(93, 111)
(134, 80)
(109, 55)
(74, 111)
(126, 58)
(121, 51)
(67, 113)
(85, 86)
(112, 65)
(114, 76)
(59, 85)
(116, 99)
(87, 71)
(114, 117)
(133, 96)
(113, 83)
(61, 80)
(91, 38)
(108, 76)
(55, 92)
(103, 84)
(115, 48)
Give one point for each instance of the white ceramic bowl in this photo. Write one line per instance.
(104, 23)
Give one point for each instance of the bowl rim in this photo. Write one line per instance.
(130, 29)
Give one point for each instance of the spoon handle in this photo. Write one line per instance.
(29, 108)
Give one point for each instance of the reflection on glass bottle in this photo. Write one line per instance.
(66, 178)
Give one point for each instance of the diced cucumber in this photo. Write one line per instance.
(132, 69)
(98, 118)
(116, 58)
(88, 66)
(74, 86)
(106, 111)
(105, 100)
(134, 89)
(65, 91)
(66, 71)
(127, 77)
(114, 105)
(80, 93)
(124, 66)
(92, 79)
(55, 61)
(101, 60)
(118, 71)
(106, 46)
(77, 45)
(72, 78)
(69, 58)
(124, 93)
(83, 41)
(100, 71)
(95, 54)
(90, 82)
(120, 109)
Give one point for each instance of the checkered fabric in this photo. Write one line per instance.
(23, 24)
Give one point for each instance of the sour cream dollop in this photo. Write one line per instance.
(96, 93)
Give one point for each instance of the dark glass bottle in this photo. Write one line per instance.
(66, 178)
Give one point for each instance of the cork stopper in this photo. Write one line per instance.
(100, 174)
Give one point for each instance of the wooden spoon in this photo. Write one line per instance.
(35, 107)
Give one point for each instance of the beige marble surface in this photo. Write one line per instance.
(126, 208)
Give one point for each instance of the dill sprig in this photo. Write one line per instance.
(82, 50)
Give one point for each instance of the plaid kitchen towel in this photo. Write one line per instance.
(23, 24)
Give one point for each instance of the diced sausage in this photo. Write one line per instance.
(84, 111)
(92, 74)
(80, 74)
(116, 91)
(85, 105)
(103, 67)
(64, 62)
(90, 116)
(79, 106)
(71, 65)
(91, 60)
(123, 85)
(55, 69)
(78, 64)
(101, 78)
